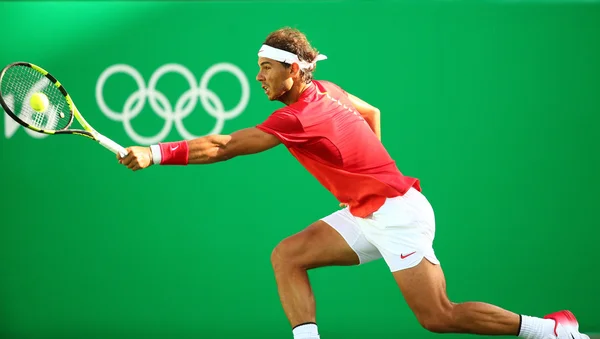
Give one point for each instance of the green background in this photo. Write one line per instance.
(494, 106)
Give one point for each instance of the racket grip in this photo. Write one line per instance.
(111, 145)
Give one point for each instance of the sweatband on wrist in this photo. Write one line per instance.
(170, 153)
(156, 156)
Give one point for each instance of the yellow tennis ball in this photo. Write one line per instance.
(39, 102)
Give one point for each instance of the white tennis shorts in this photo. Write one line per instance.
(401, 231)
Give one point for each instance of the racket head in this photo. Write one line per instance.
(19, 81)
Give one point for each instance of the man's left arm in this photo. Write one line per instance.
(370, 113)
(204, 150)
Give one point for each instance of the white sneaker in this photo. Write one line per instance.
(566, 326)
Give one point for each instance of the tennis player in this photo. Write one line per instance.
(337, 138)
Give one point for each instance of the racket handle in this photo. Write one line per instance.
(111, 145)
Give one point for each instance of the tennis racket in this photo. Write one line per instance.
(20, 81)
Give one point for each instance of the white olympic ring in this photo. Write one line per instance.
(162, 107)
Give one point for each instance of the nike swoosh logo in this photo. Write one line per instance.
(174, 148)
(402, 256)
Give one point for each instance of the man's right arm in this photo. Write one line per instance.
(203, 150)
(369, 113)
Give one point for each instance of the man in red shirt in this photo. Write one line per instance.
(336, 137)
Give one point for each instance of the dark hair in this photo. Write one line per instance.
(292, 40)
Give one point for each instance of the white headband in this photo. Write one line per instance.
(267, 51)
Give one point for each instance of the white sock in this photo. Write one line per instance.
(306, 331)
(536, 328)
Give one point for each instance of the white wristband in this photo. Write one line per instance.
(156, 155)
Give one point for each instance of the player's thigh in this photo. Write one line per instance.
(316, 246)
(335, 240)
(424, 288)
(351, 230)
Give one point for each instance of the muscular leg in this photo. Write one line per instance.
(316, 246)
(424, 288)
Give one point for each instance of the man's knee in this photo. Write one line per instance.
(432, 324)
(289, 253)
(438, 320)
(279, 256)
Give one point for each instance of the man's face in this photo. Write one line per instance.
(275, 78)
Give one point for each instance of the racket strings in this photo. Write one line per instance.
(20, 83)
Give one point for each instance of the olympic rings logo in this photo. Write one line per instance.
(161, 106)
